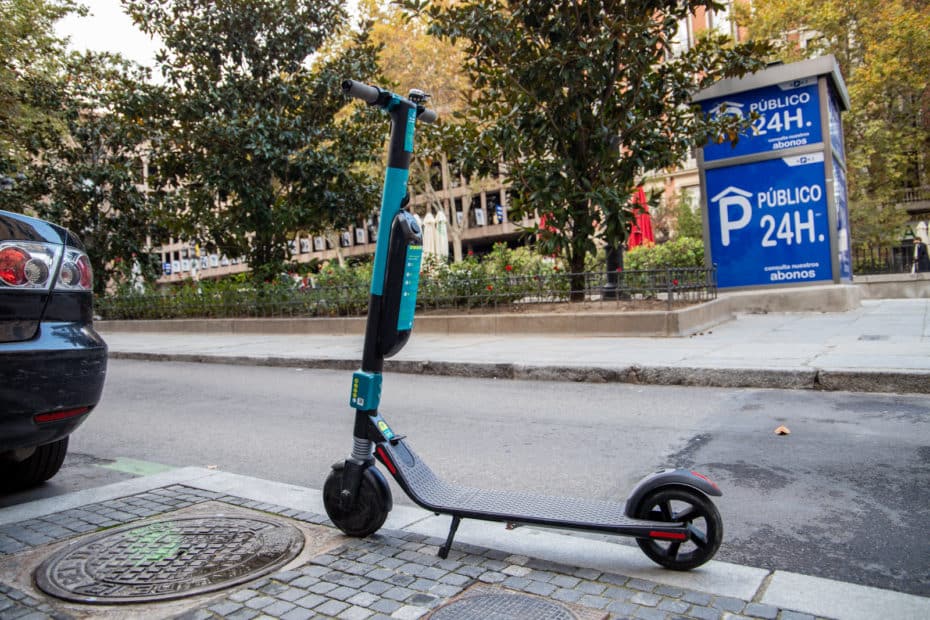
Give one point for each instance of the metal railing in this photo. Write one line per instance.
(671, 287)
(873, 261)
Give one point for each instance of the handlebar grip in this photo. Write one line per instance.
(368, 94)
(427, 116)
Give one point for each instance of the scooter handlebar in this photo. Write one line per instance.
(372, 95)
(368, 94)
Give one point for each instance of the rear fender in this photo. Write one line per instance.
(669, 478)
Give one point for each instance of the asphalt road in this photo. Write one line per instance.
(846, 495)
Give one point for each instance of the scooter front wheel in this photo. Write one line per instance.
(371, 508)
(697, 512)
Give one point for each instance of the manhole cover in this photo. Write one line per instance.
(168, 559)
(502, 606)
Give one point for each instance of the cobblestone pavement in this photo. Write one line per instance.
(392, 574)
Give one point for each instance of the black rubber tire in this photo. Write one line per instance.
(678, 504)
(42, 465)
(371, 507)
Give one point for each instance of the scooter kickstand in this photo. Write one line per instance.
(444, 550)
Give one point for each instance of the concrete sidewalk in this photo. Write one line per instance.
(881, 346)
(396, 573)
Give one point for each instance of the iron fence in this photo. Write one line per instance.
(672, 286)
(872, 261)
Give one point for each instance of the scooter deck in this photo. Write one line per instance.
(431, 492)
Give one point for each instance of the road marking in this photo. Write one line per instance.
(137, 468)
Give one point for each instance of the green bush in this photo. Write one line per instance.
(680, 252)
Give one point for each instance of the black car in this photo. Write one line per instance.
(52, 362)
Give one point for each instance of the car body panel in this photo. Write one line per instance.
(51, 358)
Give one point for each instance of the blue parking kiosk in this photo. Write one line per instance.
(775, 207)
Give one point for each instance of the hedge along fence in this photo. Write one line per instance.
(506, 278)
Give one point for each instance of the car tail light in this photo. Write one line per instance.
(27, 265)
(75, 273)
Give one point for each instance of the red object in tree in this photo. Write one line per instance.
(641, 227)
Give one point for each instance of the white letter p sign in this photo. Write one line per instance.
(732, 196)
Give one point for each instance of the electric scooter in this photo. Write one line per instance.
(669, 513)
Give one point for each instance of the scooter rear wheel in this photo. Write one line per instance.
(371, 505)
(681, 505)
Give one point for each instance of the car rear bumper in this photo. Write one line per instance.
(63, 368)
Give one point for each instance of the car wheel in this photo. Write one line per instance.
(42, 465)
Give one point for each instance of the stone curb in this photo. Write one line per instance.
(865, 380)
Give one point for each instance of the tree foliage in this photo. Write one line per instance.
(883, 50)
(90, 179)
(254, 138)
(580, 99)
(30, 63)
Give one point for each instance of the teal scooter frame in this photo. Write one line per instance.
(669, 513)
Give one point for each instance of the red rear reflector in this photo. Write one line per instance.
(668, 535)
(55, 416)
(382, 454)
(706, 479)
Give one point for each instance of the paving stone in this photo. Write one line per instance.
(409, 612)
(445, 591)
(730, 604)
(704, 613)
(622, 609)
(379, 574)
(392, 563)
(243, 595)
(310, 601)
(669, 591)
(565, 581)
(355, 613)
(422, 585)
(540, 588)
(794, 615)
(315, 571)
(677, 607)
(342, 593)
(278, 608)
(331, 608)
(274, 588)
(243, 614)
(363, 599)
(259, 602)
(566, 596)
(385, 606)
(377, 587)
(645, 599)
(399, 579)
(470, 571)
(322, 587)
(759, 610)
(455, 579)
(225, 608)
(412, 569)
(591, 587)
(291, 594)
(398, 593)
(517, 583)
(697, 598)
(641, 584)
(649, 613)
(492, 577)
(598, 602)
(344, 579)
(304, 582)
(586, 573)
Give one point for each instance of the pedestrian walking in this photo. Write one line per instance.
(921, 258)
